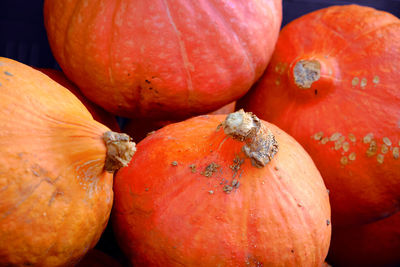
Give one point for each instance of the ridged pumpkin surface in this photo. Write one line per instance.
(190, 197)
(163, 59)
(335, 88)
(97, 112)
(55, 197)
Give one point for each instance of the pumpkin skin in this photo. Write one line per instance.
(55, 195)
(348, 119)
(159, 59)
(97, 112)
(138, 129)
(375, 244)
(168, 213)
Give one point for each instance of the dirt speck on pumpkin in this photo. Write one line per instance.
(372, 149)
(396, 153)
(344, 160)
(328, 222)
(174, 163)
(227, 189)
(8, 73)
(318, 136)
(368, 138)
(380, 158)
(193, 168)
(210, 169)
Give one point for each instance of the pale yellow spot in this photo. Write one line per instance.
(335, 136)
(324, 140)
(352, 156)
(396, 153)
(384, 149)
(375, 80)
(387, 141)
(277, 82)
(346, 146)
(344, 160)
(380, 158)
(367, 139)
(372, 148)
(352, 138)
(363, 83)
(338, 145)
(355, 81)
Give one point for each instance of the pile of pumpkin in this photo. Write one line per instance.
(309, 124)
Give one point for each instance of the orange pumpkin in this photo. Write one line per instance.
(138, 129)
(374, 244)
(97, 112)
(202, 193)
(162, 60)
(55, 170)
(331, 85)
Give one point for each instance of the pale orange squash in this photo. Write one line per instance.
(56, 165)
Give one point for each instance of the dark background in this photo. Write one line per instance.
(23, 37)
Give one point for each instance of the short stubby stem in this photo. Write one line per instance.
(315, 73)
(260, 144)
(120, 150)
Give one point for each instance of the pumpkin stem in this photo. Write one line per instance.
(316, 73)
(305, 72)
(120, 150)
(261, 145)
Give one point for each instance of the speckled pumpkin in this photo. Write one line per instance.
(163, 59)
(333, 84)
(55, 170)
(219, 190)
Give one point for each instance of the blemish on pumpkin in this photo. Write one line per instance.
(355, 81)
(328, 222)
(318, 136)
(324, 140)
(8, 73)
(387, 141)
(352, 138)
(352, 156)
(299, 205)
(306, 72)
(146, 189)
(380, 158)
(372, 149)
(335, 136)
(210, 169)
(211, 192)
(192, 168)
(345, 146)
(375, 80)
(338, 145)
(384, 149)
(227, 189)
(363, 83)
(396, 153)
(344, 160)
(368, 138)
(277, 82)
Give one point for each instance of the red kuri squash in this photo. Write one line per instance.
(215, 192)
(163, 59)
(55, 170)
(333, 85)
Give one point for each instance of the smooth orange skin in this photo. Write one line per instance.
(55, 198)
(375, 244)
(97, 112)
(138, 129)
(166, 215)
(357, 94)
(163, 59)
